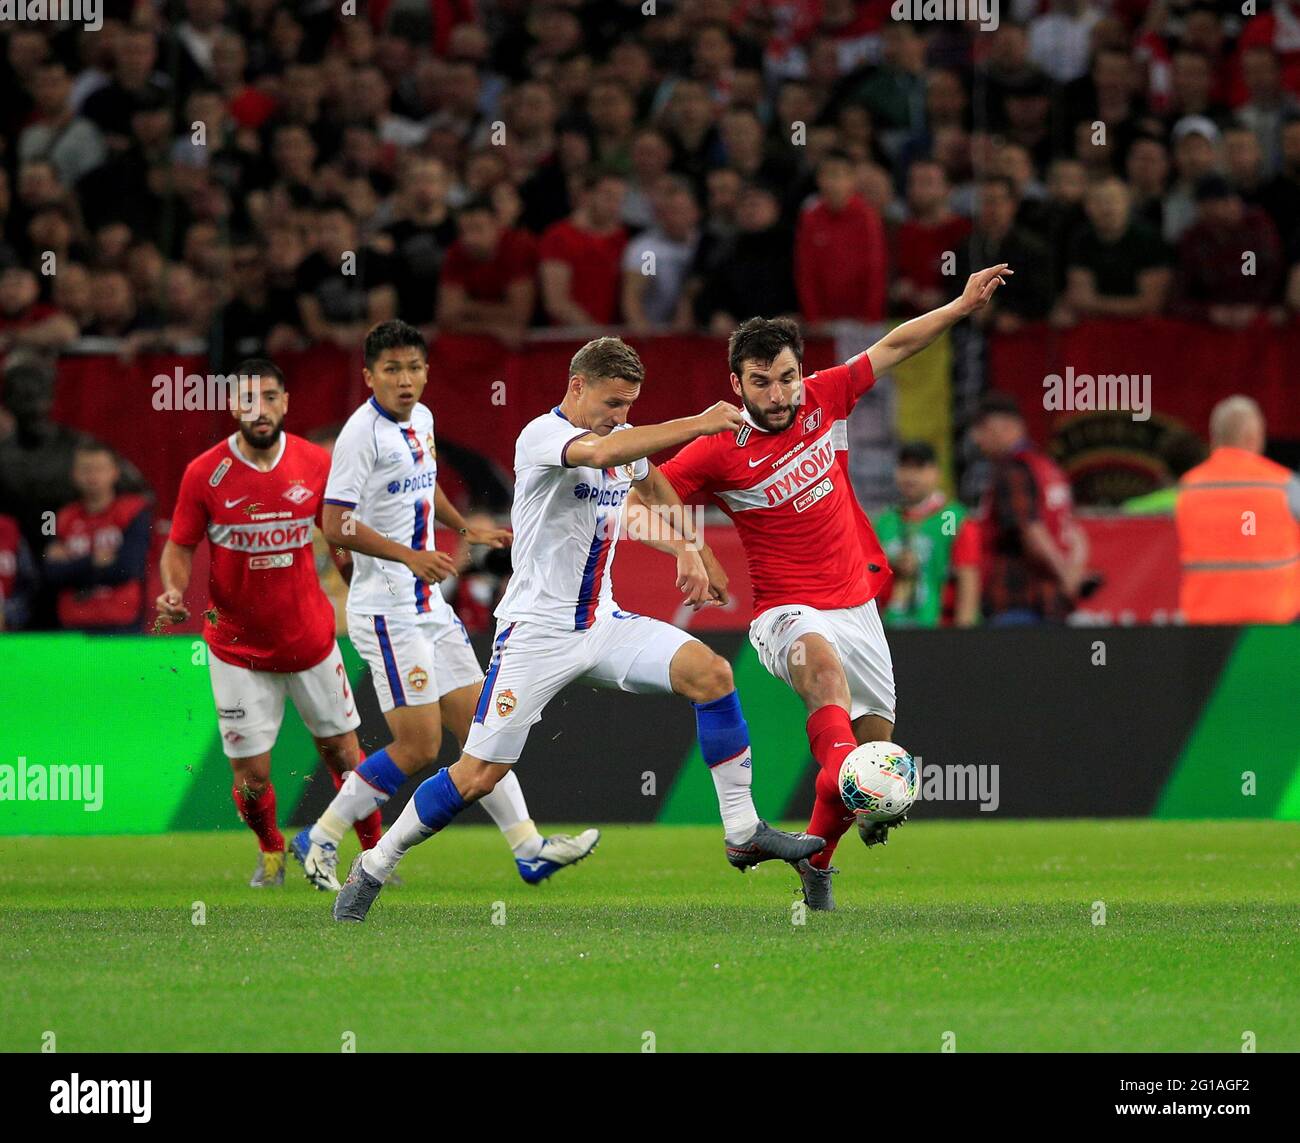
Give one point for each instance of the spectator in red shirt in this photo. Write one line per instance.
(840, 260)
(931, 231)
(581, 256)
(98, 557)
(488, 283)
(1209, 283)
(1034, 553)
(17, 577)
(27, 321)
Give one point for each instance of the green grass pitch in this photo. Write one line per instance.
(982, 930)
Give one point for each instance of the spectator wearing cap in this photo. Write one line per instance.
(933, 546)
(1196, 154)
(750, 274)
(841, 259)
(657, 261)
(581, 257)
(1210, 285)
(1033, 553)
(488, 281)
(1118, 266)
(931, 233)
(98, 557)
(27, 321)
(72, 143)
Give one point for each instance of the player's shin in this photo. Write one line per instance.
(724, 742)
(433, 805)
(507, 808)
(364, 790)
(258, 812)
(831, 818)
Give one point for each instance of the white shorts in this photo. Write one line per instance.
(532, 663)
(250, 704)
(855, 633)
(415, 661)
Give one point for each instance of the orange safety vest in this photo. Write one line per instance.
(1238, 542)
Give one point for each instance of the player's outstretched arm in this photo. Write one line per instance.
(341, 527)
(631, 445)
(908, 339)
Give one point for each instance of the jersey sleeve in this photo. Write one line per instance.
(966, 547)
(690, 471)
(354, 458)
(841, 385)
(190, 516)
(545, 443)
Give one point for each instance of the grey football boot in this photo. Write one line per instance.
(768, 844)
(358, 893)
(877, 833)
(816, 884)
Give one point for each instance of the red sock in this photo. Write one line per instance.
(258, 812)
(368, 828)
(831, 734)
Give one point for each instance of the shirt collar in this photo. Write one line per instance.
(233, 441)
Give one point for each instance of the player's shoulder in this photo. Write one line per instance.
(212, 464)
(550, 423)
(303, 451)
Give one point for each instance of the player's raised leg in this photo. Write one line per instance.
(704, 677)
(536, 857)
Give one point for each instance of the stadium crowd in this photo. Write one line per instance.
(254, 176)
(266, 174)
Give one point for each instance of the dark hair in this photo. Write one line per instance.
(762, 339)
(916, 453)
(395, 334)
(1004, 181)
(835, 155)
(607, 357)
(90, 444)
(995, 403)
(261, 367)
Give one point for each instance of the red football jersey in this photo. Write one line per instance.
(105, 605)
(267, 610)
(806, 538)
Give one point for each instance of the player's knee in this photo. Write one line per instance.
(477, 783)
(714, 680)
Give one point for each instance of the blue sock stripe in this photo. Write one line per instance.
(437, 800)
(382, 772)
(722, 728)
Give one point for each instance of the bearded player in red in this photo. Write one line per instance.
(814, 561)
(270, 627)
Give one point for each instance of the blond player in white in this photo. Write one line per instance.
(381, 500)
(558, 621)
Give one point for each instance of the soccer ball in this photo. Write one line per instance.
(878, 780)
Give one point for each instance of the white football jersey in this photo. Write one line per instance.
(566, 525)
(385, 470)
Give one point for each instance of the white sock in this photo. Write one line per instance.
(733, 779)
(404, 833)
(356, 798)
(506, 806)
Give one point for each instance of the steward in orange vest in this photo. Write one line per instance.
(1239, 540)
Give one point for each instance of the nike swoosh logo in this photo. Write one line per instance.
(232, 503)
(348, 715)
(846, 744)
(756, 463)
